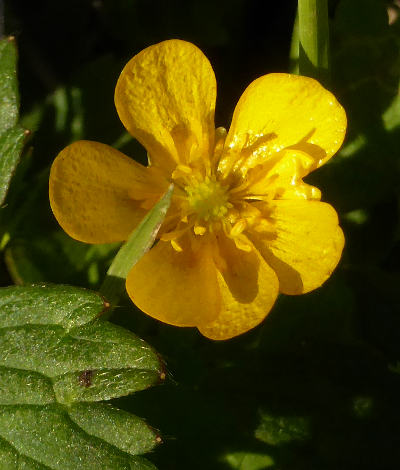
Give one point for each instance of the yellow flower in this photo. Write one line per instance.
(242, 225)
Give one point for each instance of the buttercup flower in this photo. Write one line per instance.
(242, 225)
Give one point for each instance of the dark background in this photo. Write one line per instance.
(316, 386)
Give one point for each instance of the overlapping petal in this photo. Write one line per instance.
(248, 288)
(178, 288)
(281, 110)
(165, 98)
(305, 246)
(98, 195)
(281, 177)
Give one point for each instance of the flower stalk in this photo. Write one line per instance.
(314, 39)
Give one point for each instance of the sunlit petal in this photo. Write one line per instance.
(282, 177)
(98, 195)
(248, 287)
(179, 288)
(281, 110)
(165, 98)
(304, 247)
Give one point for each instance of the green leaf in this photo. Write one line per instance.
(11, 144)
(57, 359)
(11, 135)
(57, 258)
(140, 241)
(9, 99)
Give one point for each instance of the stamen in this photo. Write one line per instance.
(238, 228)
(242, 243)
(175, 245)
(199, 230)
(166, 237)
(258, 197)
(205, 205)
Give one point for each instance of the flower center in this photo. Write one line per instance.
(205, 205)
(208, 198)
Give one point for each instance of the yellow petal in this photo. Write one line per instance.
(95, 192)
(175, 287)
(248, 287)
(306, 247)
(281, 110)
(165, 97)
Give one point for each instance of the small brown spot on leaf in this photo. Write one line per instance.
(85, 378)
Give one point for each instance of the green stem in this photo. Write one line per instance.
(314, 39)
(140, 241)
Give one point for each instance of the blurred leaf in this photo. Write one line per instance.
(11, 135)
(391, 116)
(249, 461)
(56, 357)
(57, 258)
(275, 430)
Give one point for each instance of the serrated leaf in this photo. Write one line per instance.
(9, 99)
(11, 135)
(57, 359)
(11, 144)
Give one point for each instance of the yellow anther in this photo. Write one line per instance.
(250, 211)
(167, 236)
(175, 245)
(238, 228)
(242, 243)
(199, 230)
(182, 171)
